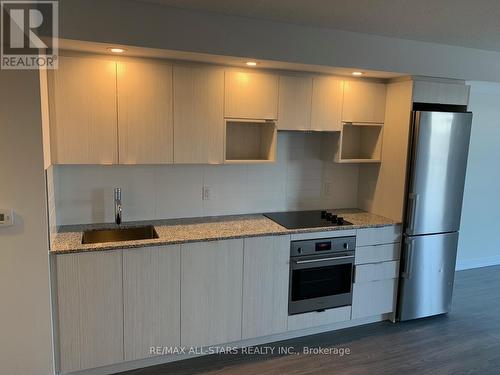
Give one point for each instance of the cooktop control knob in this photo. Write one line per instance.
(340, 220)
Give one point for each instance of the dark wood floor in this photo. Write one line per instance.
(466, 341)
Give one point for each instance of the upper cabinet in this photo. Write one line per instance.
(145, 111)
(295, 97)
(436, 92)
(251, 95)
(326, 108)
(145, 124)
(363, 102)
(83, 111)
(198, 114)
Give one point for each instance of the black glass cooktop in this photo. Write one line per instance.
(307, 219)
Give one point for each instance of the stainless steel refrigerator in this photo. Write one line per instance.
(438, 150)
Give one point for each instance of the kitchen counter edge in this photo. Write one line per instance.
(180, 231)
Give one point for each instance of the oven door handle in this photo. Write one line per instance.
(323, 259)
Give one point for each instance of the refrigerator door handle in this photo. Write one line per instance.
(406, 274)
(413, 198)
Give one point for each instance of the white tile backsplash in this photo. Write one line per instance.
(84, 194)
(178, 191)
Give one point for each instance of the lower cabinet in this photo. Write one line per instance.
(376, 271)
(151, 299)
(374, 292)
(211, 292)
(265, 285)
(90, 309)
(378, 253)
(319, 318)
(113, 306)
(378, 236)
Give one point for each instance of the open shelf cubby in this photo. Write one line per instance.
(360, 143)
(250, 141)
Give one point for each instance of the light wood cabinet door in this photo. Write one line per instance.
(145, 121)
(198, 115)
(151, 293)
(211, 294)
(377, 253)
(378, 236)
(440, 93)
(295, 98)
(83, 111)
(376, 271)
(90, 309)
(373, 298)
(265, 285)
(251, 95)
(319, 318)
(364, 102)
(326, 109)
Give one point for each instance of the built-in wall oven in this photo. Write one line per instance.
(321, 274)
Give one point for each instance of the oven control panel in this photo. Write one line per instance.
(322, 246)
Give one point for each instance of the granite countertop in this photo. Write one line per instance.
(176, 231)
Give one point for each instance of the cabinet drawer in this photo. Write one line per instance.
(378, 253)
(373, 298)
(319, 318)
(377, 271)
(318, 235)
(378, 236)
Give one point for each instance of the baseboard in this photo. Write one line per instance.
(466, 264)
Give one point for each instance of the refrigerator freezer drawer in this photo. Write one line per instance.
(427, 274)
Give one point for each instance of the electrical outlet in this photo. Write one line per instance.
(205, 193)
(6, 217)
(327, 188)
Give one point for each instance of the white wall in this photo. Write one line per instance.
(25, 323)
(84, 194)
(479, 243)
(153, 25)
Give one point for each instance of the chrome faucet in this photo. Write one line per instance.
(118, 206)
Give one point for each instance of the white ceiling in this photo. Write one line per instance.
(469, 23)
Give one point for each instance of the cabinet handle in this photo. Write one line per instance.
(408, 261)
(413, 197)
(322, 259)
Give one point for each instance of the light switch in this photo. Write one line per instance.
(6, 217)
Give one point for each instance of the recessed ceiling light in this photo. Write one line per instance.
(251, 63)
(357, 74)
(116, 50)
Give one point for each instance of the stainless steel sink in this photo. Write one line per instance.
(117, 235)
